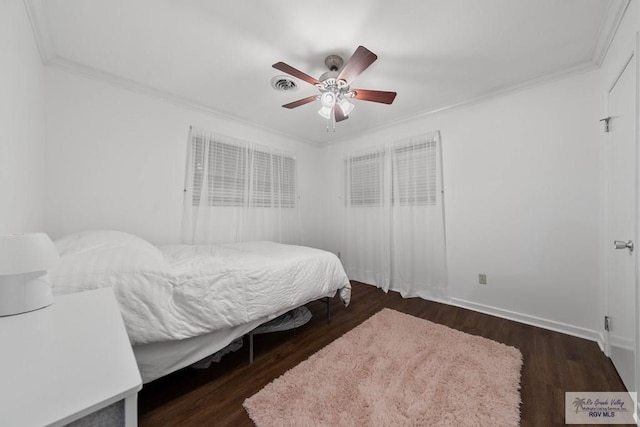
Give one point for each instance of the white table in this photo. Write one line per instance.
(67, 361)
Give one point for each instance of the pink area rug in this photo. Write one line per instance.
(397, 370)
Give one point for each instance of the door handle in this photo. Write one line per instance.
(619, 244)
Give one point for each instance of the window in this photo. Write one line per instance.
(411, 170)
(237, 175)
(415, 174)
(274, 180)
(364, 177)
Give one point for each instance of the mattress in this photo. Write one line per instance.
(178, 292)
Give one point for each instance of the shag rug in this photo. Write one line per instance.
(397, 370)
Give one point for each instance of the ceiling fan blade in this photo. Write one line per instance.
(300, 102)
(375, 96)
(295, 72)
(339, 114)
(359, 61)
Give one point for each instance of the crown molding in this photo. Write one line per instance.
(143, 89)
(493, 93)
(40, 29)
(608, 29)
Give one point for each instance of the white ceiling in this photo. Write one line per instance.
(218, 54)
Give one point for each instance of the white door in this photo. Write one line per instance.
(621, 224)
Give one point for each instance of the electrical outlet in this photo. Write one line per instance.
(482, 279)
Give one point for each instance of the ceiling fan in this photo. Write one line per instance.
(335, 85)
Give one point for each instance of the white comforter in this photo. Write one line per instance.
(181, 291)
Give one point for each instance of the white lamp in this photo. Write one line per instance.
(24, 282)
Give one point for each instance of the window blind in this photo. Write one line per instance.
(412, 177)
(414, 167)
(237, 175)
(364, 177)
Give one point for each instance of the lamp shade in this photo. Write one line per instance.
(26, 253)
(346, 106)
(24, 281)
(325, 112)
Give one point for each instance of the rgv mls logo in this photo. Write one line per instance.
(579, 403)
(599, 407)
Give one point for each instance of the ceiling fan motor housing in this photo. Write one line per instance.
(338, 87)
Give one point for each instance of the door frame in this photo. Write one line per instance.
(636, 223)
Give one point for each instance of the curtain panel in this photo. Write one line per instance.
(394, 218)
(237, 191)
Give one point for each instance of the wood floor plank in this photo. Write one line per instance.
(553, 363)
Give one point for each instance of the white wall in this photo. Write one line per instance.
(116, 158)
(21, 123)
(522, 201)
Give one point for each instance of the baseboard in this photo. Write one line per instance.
(539, 322)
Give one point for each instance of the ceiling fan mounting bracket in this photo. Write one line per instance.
(333, 62)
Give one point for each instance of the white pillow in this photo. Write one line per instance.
(92, 240)
(95, 259)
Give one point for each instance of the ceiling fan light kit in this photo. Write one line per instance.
(335, 85)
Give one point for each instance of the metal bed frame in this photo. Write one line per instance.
(326, 300)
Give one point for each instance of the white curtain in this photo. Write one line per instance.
(394, 215)
(236, 191)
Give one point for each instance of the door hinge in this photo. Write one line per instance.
(607, 323)
(606, 123)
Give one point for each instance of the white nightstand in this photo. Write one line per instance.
(68, 361)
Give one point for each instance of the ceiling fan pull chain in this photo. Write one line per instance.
(332, 120)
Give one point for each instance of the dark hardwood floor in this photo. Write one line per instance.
(553, 363)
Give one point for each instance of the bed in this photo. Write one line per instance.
(181, 303)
